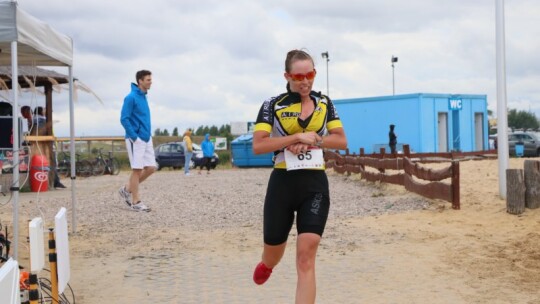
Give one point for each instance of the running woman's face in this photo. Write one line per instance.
(145, 83)
(301, 68)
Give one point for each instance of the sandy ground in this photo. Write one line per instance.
(382, 244)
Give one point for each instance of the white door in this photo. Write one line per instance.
(443, 132)
(479, 131)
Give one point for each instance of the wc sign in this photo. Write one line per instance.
(455, 104)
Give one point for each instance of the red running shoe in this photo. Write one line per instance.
(261, 274)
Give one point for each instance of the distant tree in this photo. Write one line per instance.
(157, 132)
(206, 130)
(199, 131)
(522, 120)
(213, 130)
(165, 132)
(222, 131)
(175, 131)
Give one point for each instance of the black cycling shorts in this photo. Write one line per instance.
(302, 191)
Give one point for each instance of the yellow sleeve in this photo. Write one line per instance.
(334, 124)
(263, 126)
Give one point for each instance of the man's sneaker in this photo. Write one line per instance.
(125, 195)
(261, 273)
(140, 207)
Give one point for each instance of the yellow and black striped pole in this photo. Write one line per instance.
(52, 263)
(33, 292)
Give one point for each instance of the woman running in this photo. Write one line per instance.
(296, 126)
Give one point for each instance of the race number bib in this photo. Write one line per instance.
(311, 159)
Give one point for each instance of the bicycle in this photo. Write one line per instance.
(109, 165)
(83, 167)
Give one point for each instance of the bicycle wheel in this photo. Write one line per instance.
(84, 168)
(98, 167)
(63, 169)
(114, 166)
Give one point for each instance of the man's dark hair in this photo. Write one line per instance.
(141, 74)
(38, 111)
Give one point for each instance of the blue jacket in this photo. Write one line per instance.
(135, 117)
(207, 146)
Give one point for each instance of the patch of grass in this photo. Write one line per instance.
(224, 157)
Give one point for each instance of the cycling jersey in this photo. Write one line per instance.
(280, 116)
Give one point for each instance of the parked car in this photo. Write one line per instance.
(530, 141)
(172, 155)
(197, 157)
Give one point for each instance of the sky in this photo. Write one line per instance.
(215, 62)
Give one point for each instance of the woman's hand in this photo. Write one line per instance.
(298, 148)
(308, 138)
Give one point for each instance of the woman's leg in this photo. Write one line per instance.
(202, 164)
(272, 254)
(306, 251)
(208, 164)
(186, 162)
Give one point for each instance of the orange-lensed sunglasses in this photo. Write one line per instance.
(300, 77)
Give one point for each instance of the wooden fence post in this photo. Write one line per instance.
(383, 154)
(406, 151)
(515, 191)
(455, 186)
(532, 183)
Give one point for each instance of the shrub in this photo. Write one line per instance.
(224, 157)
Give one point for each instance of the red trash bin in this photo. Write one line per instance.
(39, 173)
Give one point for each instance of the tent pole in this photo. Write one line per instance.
(72, 152)
(15, 115)
(502, 114)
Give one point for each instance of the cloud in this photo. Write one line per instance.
(214, 62)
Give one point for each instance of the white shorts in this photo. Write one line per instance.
(141, 154)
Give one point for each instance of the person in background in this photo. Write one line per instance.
(392, 139)
(57, 183)
(208, 152)
(26, 113)
(188, 150)
(296, 126)
(135, 118)
(39, 117)
(39, 122)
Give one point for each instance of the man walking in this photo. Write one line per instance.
(135, 119)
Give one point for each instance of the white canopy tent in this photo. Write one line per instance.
(26, 40)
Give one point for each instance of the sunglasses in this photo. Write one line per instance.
(300, 77)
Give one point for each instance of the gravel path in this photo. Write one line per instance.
(222, 199)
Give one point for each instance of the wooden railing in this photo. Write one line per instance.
(410, 172)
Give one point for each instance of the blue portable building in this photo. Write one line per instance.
(243, 156)
(426, 122)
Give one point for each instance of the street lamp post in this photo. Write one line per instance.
(393, 60)
(326, 56)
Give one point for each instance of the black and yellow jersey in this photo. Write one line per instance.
(280, 115)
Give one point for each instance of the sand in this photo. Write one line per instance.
(382, 244)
